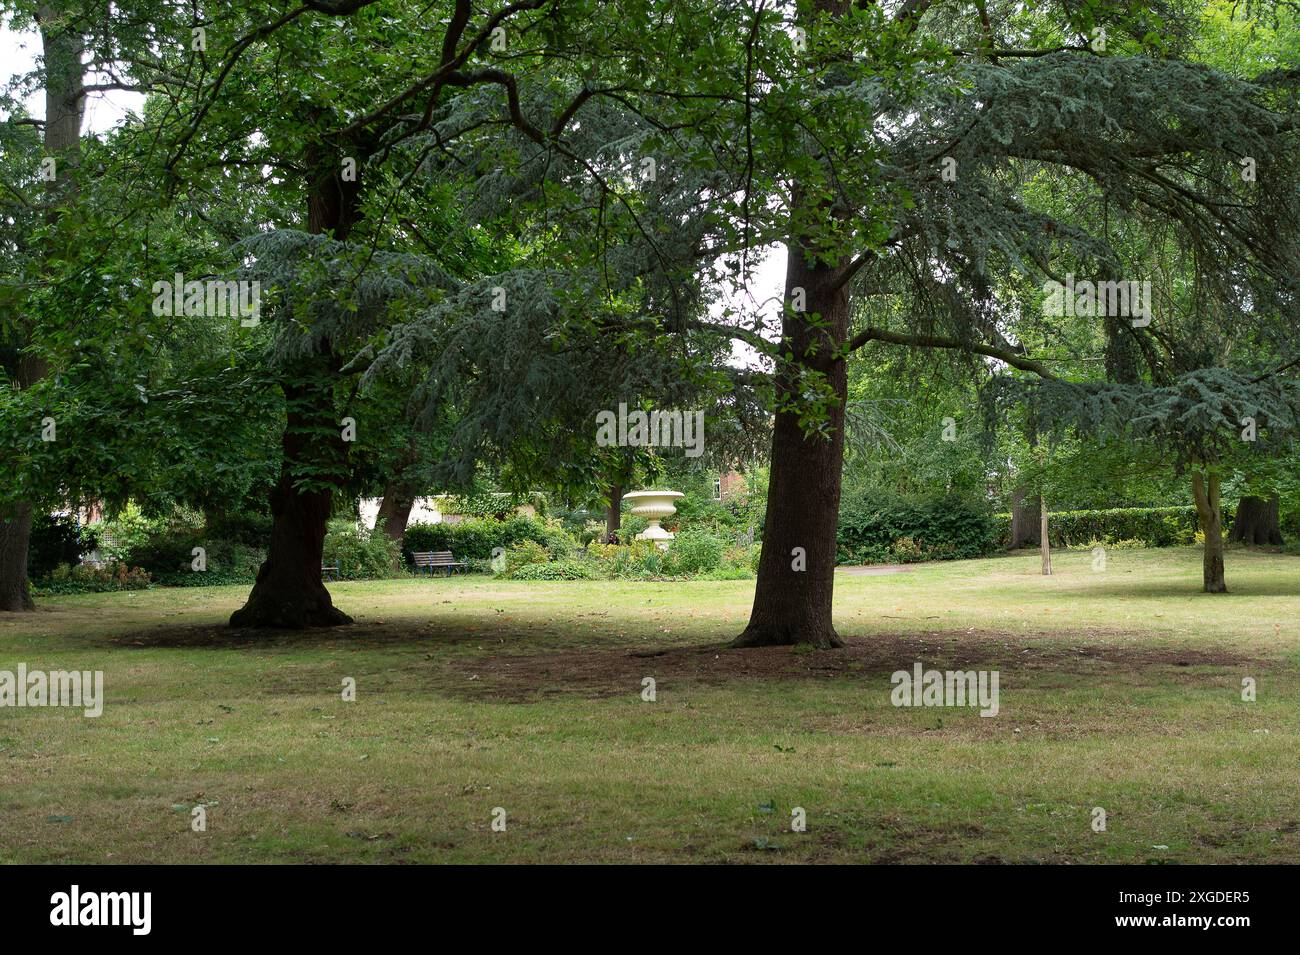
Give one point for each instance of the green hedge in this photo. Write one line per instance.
(557, 570)
(905, 531)
(476, 539)
(1154, 526)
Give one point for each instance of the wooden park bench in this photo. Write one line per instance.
(329, 571)
(436, 558)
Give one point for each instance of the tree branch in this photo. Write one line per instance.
(932, 341)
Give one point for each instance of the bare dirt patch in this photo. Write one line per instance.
(517, 677)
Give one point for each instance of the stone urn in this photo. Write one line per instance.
(654, 506)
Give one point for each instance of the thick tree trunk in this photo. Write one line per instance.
(614, 513)
(289, 591)
(796, 573)
(1257, 522)
(1206, 492)
(15, 531)
(395, 510)
(1025, 509)
(16, 521)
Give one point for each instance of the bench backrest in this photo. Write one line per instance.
(433, 558)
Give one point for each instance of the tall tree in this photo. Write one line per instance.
(998, 94)
(63, 79)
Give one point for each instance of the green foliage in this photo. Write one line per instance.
(87, 578)
(903, 531)
(738, 563)
(164, 547)
(476, 539)
(1126, 544)
(555, 570)
(524, 552)
(360, 553)
(495, 505)
(248, 526)
(128, 530)
(693, 552)
(168, 556)
(56, 539)
(1113, 527)
(631, 525)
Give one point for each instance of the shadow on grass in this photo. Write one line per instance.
(356, 636)
(1238, 588)
(526, 676)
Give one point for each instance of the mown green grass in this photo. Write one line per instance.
(1119, 689)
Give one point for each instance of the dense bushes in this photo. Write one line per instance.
(168, 556)
(897, 530)
(360, 553)
(87, 578)
(164, 548)
(56, 539)
(524, 553)
(694, 554)
(1153, 526)
(557, 570)
(901, 531)
(476, 539)
(727, 519)
(479, 538)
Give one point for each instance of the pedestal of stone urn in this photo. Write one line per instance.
(654, 506)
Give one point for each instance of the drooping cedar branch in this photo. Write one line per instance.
(935, 341)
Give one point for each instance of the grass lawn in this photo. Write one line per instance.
(1119, 689)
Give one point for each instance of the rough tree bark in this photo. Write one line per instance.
(796, 573)
(15, 530)
(1257, 522)
(614, 513)
(1025, 510)
(289, 592)
(1205, 489)
(64, 79)
(395, 509)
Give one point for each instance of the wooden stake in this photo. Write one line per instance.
(1047, 548)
